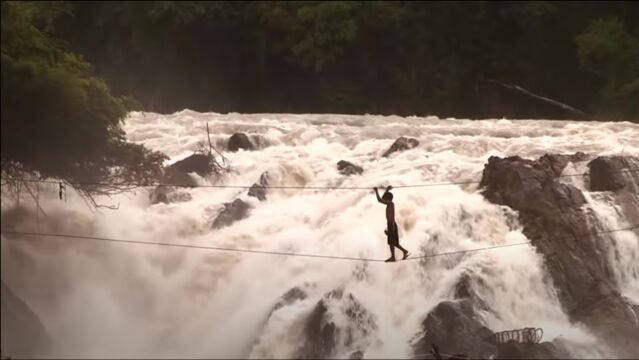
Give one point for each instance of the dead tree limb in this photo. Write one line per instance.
(529, 94)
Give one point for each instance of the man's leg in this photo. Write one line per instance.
(403, 250)
(392, 250)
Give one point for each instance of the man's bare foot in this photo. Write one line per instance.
(406, 253)
(390, 259)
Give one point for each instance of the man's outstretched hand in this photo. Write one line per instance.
(388, 188)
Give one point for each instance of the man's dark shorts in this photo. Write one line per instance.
(392, 233)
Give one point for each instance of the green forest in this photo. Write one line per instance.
(72, 70)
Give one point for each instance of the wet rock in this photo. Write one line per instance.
(401, 144)
(324, 335)
(516, 182)
(258, 189)
(196, 163)
(179, 172)
(465, 290)
(610, 173)
(239, 141)
(290, 297)
(168, 194)
(231, 212)
(456, 329)
(558, 162)
(23, 334)
(347, 168)
(515, 350)
(567, 235)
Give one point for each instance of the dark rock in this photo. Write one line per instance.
(23, 334)
(346, 168)
(567, 235)
(324, 336)
(258, 189)
(557, 163)
(178, 173)
(232, 212)
(321, 334)
(610, 173)
(516, 182)
(456, 329)
(178, 179)
(290, 297)
(168, 194)
(240, 141)
(401, 144)
(197, 163)
(465, 290)
(515, 350)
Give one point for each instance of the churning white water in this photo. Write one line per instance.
(124, 300)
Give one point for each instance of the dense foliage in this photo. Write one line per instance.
(363, 57)
(58, 120)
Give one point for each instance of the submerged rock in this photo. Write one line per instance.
(231, 212)
(569, 238)
(239, 141)
(401, 144)
(347, 168)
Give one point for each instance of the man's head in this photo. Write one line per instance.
(387, 196)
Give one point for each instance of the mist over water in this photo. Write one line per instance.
(100, 299)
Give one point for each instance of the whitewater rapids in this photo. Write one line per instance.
(111, 300)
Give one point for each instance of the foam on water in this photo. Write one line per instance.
(115, 300)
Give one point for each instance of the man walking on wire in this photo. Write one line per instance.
(391, 227)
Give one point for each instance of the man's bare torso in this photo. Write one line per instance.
(390, 212)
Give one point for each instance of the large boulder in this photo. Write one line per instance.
(347, 168)
(401, 144)
(611, 173)
(324, 334)
(23, 334)
(569, 238)
(231, 212)
(196, 163)
(456, 329)
(258, 189)
(239, 141)
(179, 172)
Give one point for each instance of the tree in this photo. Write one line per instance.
(608, 50)
(58, 120)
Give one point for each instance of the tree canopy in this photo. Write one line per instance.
(399, 57)
(58, 119)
